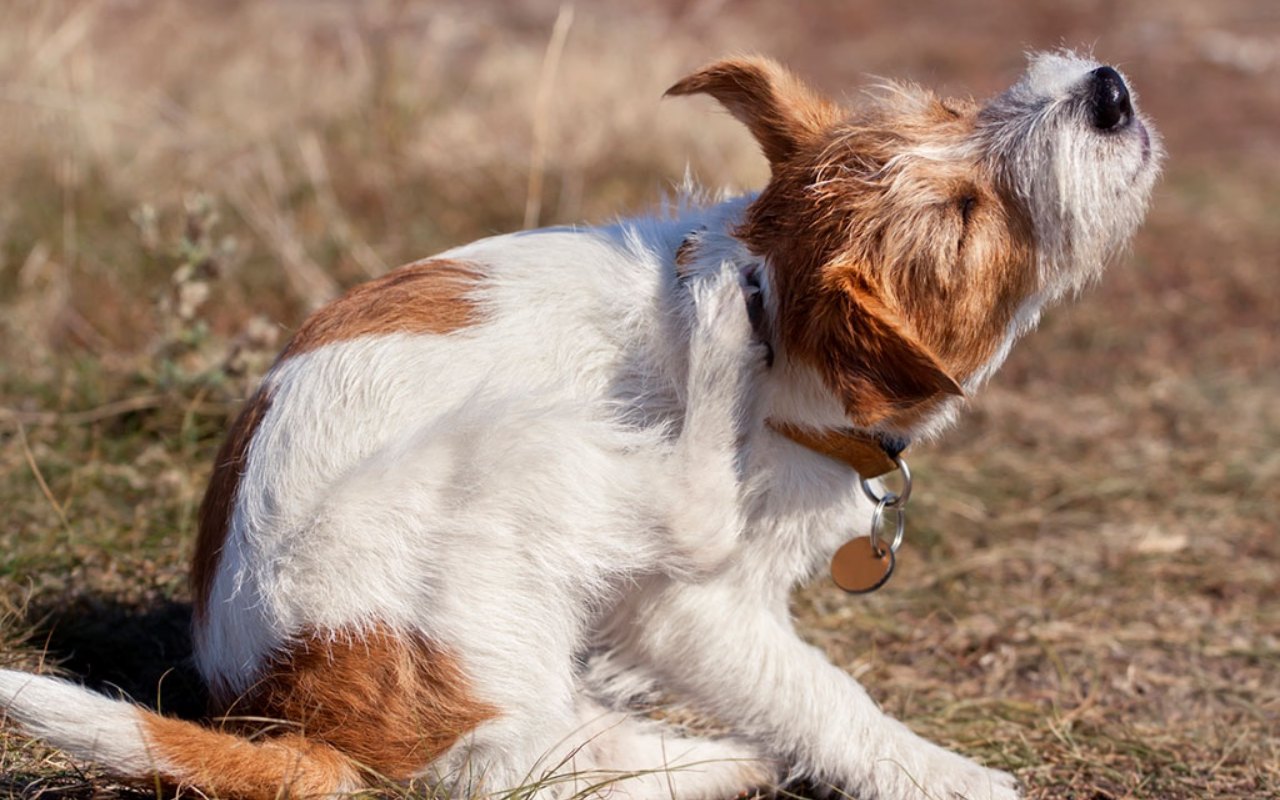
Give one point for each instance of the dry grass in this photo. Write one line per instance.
(1091, 590)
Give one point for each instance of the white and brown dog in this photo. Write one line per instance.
(481, 504)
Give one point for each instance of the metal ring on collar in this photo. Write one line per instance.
(893, 499)
(877, 522)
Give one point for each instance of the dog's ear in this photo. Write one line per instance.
(866, 355)
(781, 112)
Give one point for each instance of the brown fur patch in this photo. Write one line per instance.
(227, 766)
(390, 702)
(782, 113)
(424, 297)
(220, 497)
(897, 271)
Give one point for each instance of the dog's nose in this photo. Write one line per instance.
(1111, 108)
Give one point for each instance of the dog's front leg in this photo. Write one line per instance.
(730, 648)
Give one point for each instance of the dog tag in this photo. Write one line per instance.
(857, 568)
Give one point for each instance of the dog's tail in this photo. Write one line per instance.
(142, 746)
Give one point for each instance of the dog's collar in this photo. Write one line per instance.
(867, 454)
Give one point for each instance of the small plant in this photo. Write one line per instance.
(186, 355)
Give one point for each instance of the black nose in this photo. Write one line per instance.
(1111, 108)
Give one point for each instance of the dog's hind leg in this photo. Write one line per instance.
(622, 755)
(724, 356)
(596, 752)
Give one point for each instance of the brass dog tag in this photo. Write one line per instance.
(857, 568)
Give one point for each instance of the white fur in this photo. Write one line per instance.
(1087, 191)
(578, 496)
(85, 724)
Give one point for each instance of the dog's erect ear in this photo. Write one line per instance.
(875, 366)
(781, 112)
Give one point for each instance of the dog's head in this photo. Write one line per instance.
(910, 240)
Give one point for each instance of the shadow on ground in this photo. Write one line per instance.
(140, 650)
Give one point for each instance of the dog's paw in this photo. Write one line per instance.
(939, 774)
(729, 320)
(976, 782)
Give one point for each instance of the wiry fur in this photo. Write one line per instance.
(1086, 195)
(457, 539)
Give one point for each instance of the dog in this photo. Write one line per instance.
(483, 504)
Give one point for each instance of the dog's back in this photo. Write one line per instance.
(530, 322)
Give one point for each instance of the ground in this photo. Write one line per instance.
(1090, 591)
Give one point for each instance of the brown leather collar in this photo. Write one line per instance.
(867, 455)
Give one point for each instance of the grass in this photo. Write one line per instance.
(1088, 595)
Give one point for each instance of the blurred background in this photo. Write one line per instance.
(1090, 592)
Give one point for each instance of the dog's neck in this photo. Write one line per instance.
(797, 405)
